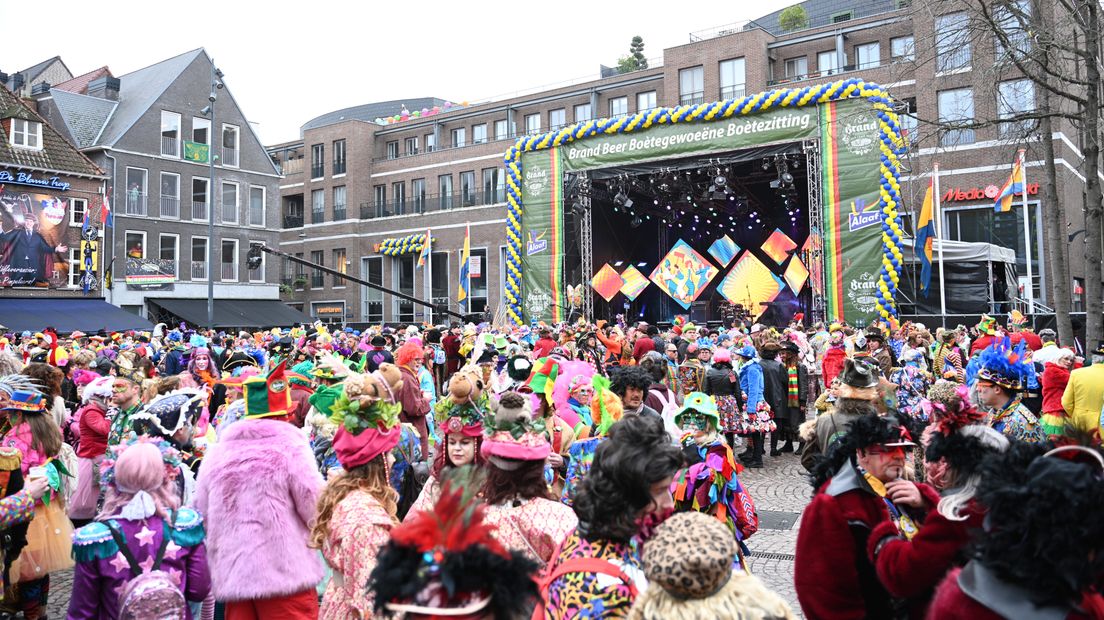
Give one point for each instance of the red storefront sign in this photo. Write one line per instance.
(989, 192)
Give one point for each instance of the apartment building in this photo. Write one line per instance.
(152, 131)
(350, 183)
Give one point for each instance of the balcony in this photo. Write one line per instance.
(135, 203)
(339, 213)
(199, 210)
(170, 206)
(339, 167)
(732, 92)
(292, 166)
(432, 148)
(318, 279)
(199, 270)
(229, 157)
(293, 221)
(693, 98)
(170, 147)
(424, 203)
(317, 171)
(318, 216)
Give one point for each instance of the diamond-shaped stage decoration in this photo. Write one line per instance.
(796, 275)
(813, 249)
(683, 273)
(750, 283)
(607, 282)
(635, 283)
(778, 246)
(724, 250)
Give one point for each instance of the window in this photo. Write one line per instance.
(467, 188)
(431, 142)
(732, 78)
(338, 157)
(318, 161)
(418, 195)
(134, 242)
(229, 260)
(956, 113)
(618, 106)
(170, 195)
(459, 136)
(258, 274)
(439, 287)
(868, 55)
(201, 130)
(27, 134)
(380, 192)
(582, 113)
(339, 264)
(300, 273)
(478, 280)
(170, 134)
(256, 205)
(502, 131)
(136, 191)
(796, 68)
(76, 264)
(169, 249)
(842, 16)
(983, 224)
(557, 119)
(908, 123)
(339, 197)
(287, 271)
(952, 42)
(318, 206)
(691, 86)
(230, 145)
(490, 186)
(199, 198)
(532, 124)
(645, 101)
(229, 202)
(411, 145)
(402, 279)
(479, 133)
(444, 185)
(902, 48)
(372, 268)
(77, 207)
(199, 258)
(1011, 20)
(393, 149)
(317, 276)
(398, 195)
(828, 62)
(1015, 97)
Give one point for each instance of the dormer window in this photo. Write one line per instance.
(26, 134)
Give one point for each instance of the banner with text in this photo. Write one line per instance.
(33, 231)
(670, 141)
(542, 236)
(852, 228)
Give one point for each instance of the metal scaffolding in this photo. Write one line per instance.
(815, 256)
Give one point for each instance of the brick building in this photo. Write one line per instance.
(351, 183)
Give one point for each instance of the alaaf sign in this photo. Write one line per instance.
(989, 192)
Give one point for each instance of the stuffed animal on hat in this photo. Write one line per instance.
(372, 387)
(466, 385)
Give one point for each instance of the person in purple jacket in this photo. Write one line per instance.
(141, 501)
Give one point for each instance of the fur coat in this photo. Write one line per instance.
(257, 491)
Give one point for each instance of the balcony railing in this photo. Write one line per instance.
(199, 270)
(293, 221)
(199, 210)
(339, 213)
(732, 92)
(318, 171)
(170, 147)
(170, 206)
(318, 279)
(419, 204)
(135, 203)
(318, 216)
(825, 73)
(256, 275)
(229, 157)
(693, 98)
(431, 148)
(229, 272)
(292, 166)
(339, 167)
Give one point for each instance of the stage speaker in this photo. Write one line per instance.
(699, 312)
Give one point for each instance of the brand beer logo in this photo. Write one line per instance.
(859, 134)
(536, 243)
(862, 292)
(537, 303)
(862, 216)
(536, 180)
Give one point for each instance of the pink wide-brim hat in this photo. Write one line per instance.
(356, 450)
(528, 447)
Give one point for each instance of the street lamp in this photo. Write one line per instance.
(209, 111)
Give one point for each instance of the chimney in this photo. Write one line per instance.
(17, 82)
(3, 78)
(106, 87)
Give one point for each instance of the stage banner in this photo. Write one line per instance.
(670, 141)
(852, 227)
(542, 236)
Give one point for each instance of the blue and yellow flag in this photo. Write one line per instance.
(925, 233)
(1014, 185)
(465, 273)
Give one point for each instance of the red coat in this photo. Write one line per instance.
(94, 428)
(451, 345)
(642, 347)
(832, 365)
(300, 405)
(543, 347)
(1054, 382)
(982, 343)
(951, 603)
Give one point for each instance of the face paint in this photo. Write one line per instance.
(694, 421)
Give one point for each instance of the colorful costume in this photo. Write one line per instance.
(1010, 368)
(578, 594)
(358, 528)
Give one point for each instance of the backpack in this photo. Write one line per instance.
(576, 565)
(149, 595)
(667, 412)
(438, 355)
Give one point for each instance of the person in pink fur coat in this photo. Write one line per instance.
(258, 488)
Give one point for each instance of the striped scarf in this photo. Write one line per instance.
(791, 388)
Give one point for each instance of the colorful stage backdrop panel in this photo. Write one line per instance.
(607, 282)
(683, 274)
(635, 283)
(542, 250)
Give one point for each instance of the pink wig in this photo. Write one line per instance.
(140, 468)
(408, 353)
(568, 371)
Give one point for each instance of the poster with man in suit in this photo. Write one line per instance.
(32, 240)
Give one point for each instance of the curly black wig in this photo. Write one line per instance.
(1043, 531)
(629, 376)
(867, 430)
(637, 454)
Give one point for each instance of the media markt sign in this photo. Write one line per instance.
(195, 151)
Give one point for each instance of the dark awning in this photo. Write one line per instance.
(67, 314)
(235, 312)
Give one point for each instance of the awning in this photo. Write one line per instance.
(68, 314)
(235, 312)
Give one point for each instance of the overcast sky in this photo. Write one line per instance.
(287, 62)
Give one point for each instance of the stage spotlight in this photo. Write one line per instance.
(787, 178)
(622, 200)
(767, 164)
(636, 221)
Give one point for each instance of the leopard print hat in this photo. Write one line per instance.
(691, 555)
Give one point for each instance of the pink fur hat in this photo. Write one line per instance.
(512, 435)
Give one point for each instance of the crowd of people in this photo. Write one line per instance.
(555, 471)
